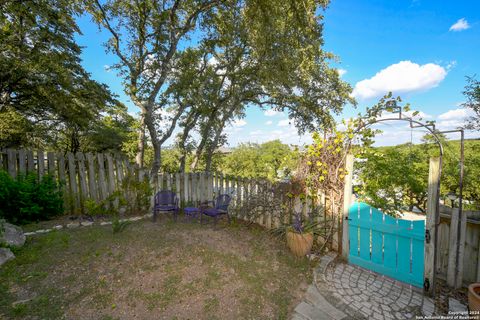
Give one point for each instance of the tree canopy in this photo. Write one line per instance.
(472, 94)
(271, 160)
(44, 90)
(395, 178)
(256, 52)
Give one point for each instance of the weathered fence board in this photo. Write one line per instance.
(41, 163)
(51, 163)
(468, 260)
(92, 185)
(12, 162)
(21, 161)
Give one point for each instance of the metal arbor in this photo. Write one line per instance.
(434, 180)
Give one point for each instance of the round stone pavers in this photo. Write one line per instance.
(361, 293)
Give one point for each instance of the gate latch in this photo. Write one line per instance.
(427, 236)
(347, 218)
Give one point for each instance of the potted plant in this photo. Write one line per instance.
(474, 297)
(300, 236)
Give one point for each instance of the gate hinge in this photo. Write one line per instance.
(426, 285)
(427, 236)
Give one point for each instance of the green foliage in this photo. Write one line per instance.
(105, 207)
(2, 223)
(395, 178)
(108, 207)
(115, 131)
(15, 129)
(118, 225)
(135, 195)
(472, 94)
(28, 199)
(41, 75)
(272, 160)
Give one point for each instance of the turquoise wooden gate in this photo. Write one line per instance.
(393, 247)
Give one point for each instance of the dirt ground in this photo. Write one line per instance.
(160, 270)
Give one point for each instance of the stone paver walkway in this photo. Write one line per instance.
(343, 291)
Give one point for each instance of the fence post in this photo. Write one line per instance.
(82, 179)
(347, 201)
(461, 249)
(73, 181)
(456, 249)
(12, 162)
(430, 236)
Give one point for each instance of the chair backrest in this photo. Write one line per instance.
(165, 197)
(222, 202)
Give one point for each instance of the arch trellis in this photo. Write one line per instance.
(433, 204)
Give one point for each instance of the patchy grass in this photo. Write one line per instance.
(160, 270)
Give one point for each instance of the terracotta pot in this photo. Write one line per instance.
(474, 297)
(299, 243)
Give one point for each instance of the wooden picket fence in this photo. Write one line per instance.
(469, 255)
(82, 176)
(96, 176)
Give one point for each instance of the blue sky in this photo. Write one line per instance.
(420, 50)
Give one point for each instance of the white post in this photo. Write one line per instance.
(430, 236)
(347, 201)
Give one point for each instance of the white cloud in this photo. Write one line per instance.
(239, 123)
(401, 77)
(284, 123)
(454, 114)
(418, 115)
(341, 71)
(269, 122)
(107, 68)
(271, 113)
(451, 65)
(460, 25)
(453, 119)
(256, 132)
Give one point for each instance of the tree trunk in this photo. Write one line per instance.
(198, 152)
(218, 132)
(190, 123)
(157, 147)
(212, 147)
(139, 159)
(202, 143)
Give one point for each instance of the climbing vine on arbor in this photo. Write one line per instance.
(322, 168)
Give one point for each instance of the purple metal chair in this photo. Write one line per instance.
(165, 201)
(221, 207)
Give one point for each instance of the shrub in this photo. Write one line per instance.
(28, 199)
(135, 196)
